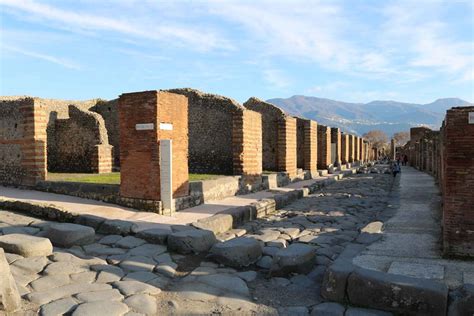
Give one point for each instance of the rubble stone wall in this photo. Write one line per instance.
(336, 139)
(324, 147)
(22, 142)
(307, 144)
(79, 143)
(279, 137)
(344, 148)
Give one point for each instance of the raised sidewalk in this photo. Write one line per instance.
(146, 220)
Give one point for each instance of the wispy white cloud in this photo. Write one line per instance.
(52, 59)
(147, 26)
(276, 78)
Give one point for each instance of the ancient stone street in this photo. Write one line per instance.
(148, 279)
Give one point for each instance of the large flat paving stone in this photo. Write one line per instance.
(68, 235)
(59, 307)
(237, 252)
(417, 270)
(142, 303)
(45, 297)
(191, 241)
(135, 287)
(299, 258)
(100, 308)
(25, 245)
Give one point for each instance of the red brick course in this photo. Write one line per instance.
(458, 183)
(324, 147)
(307, 145)
(344, 148)
(286, 156)
(247, 142)
(140, 149)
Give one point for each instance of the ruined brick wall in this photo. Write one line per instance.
(458, 182)
(247, 143)
(357, 148)
(336, 142)
(279, 137)
(286, 158)
(210, 119)
(109, 112)
(22, 142)
(307, 144)
(140, 149)
(324, 147)
(79, 143)
(352, 144)
(344, 148)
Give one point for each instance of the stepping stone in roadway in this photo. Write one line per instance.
(68, 235)
(26, 245)
(299, 258)
(191, 241)
(237, 252)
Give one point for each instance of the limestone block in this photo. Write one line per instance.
(396, 293)
(298, 258)
(191, 241)
(218, 223)
(68, 235)
(26, 245)
(237, 252)
(10, 298)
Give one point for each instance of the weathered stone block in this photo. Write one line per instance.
(378, 290)
(26, 245)
(218, 223)
(237, 252)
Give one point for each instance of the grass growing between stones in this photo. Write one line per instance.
(112, 178)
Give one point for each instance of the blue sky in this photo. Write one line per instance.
(356, 51)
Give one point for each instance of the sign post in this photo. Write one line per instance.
(166, 175)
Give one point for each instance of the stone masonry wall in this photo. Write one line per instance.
(352, 144)
(211, 132)
(22, 142)
(307, 144)
(109, 112)
(458, 182)
(140, 149)
(247, 143)
(324, 147)
(79, 143)
(279, 137)
(336, 139)
(344, 148)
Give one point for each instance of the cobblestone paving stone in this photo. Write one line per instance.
(130, 276)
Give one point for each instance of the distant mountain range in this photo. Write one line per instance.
(359, 118)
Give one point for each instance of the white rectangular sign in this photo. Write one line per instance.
(166, 174)
(145, 127)
(471, 117)
(166, 126)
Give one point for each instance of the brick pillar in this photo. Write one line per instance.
(458, 182)
(247, 143)
(361, 149)
(352, 141)
(286, 155)
(324, 147)
(33, 144)
(102, 159)
(307, 139)
(336, 141)
(344, 148)
(167, 114)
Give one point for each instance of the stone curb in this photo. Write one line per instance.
(242, 214)
(217, 223)
(347, 284)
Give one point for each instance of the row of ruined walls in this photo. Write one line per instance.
(448, 155)
(225, 137)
